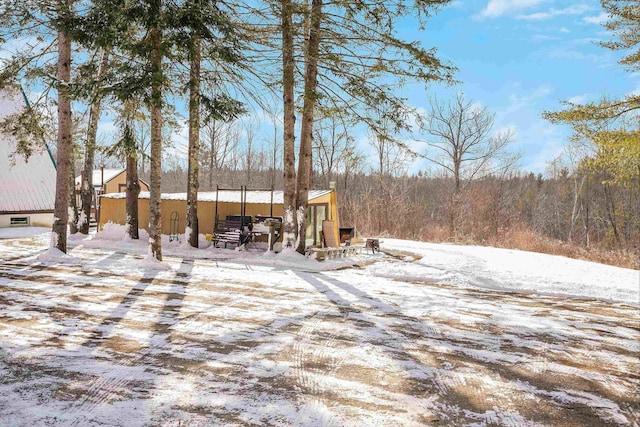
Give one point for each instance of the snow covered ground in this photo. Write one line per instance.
(426, 335)
(508, 269)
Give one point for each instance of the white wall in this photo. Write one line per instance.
(35, 219)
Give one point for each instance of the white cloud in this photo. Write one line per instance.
(578, 99)
(577, 9)
(564, 30)
(574, 55)
(599, 19)
(496, 8)
(543, 38)
(636, 91)
(539, 16)
(517, 102)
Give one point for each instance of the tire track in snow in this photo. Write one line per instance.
(312, 356)
(106, 388)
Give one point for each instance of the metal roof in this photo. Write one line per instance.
(25, 186)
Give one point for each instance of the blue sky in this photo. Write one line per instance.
(516, 57)
(521, 57)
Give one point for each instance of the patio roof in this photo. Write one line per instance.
(227, 196)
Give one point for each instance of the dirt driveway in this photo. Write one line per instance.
(103, 342)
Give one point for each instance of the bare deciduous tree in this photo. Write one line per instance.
(87, 191)
(463, 143)
(331, 141)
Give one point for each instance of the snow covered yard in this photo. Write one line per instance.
(445, 335)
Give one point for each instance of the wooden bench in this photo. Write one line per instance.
(227, 232)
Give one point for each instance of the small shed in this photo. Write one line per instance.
(27, 187)
(322, 206)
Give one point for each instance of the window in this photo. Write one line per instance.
(315, 215)
(17, 221)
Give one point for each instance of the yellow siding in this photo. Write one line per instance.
(114, 210)
(111, 210)
(112, 185)
(333, 208)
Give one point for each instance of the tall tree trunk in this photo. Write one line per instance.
(289, 120)
(87, 190)
(611, 213)
(133, 190)
(155, 219)
(577, 190)
(194, 139)
(63, 161)
(304, 158)
(73, 201)
(211, 153)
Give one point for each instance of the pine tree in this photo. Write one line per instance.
(194, 129)
(155, 101)
(349, 51)
(63, 160)
(48, 20)
(288, 85)
(306, 134)
(611, 124)
(197, 29)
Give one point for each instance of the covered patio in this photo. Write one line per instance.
(223, 204)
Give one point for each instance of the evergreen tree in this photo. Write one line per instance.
(350, 50)
(611, 124)
(197, 28)
(51, 22)
(87, 192)
(288, 87)
(308, 112)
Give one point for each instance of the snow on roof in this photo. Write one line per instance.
(227, 196)
(109, 174)
(26, 185)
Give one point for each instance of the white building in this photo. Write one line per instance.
(27, 188)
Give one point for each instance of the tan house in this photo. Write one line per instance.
(109, 181)
(322, 206)
(105, 181)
